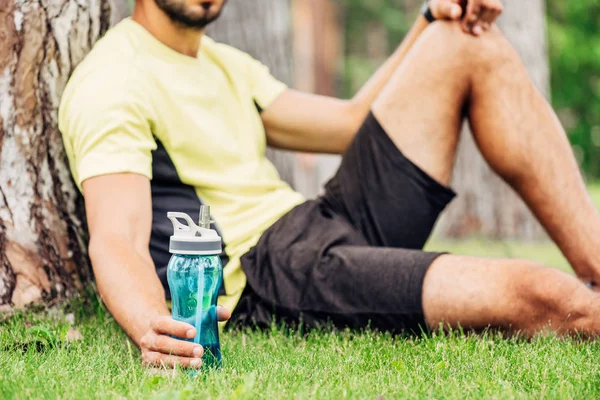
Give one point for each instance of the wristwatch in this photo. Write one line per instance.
(426, 11)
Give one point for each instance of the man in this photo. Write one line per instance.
(160, 118)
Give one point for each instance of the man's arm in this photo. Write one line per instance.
(306, 122)
(119, 214)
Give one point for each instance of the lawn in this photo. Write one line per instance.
(276, 364)
(37, 362)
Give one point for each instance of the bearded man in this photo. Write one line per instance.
(160, 118)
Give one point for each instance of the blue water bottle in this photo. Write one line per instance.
(195, 275)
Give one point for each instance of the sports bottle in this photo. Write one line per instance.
(195, 275)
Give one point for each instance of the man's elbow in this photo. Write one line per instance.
(111, 247)
(102, 245)
(356, 112)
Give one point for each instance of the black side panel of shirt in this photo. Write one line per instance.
(170, 194)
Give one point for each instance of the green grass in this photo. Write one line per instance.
(276, 364)
(282, 364)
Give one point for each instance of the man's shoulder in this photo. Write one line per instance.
(227, 53)
(114, 54)
(108, 82)
(109, 70)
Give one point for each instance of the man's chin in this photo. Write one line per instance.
(196, 17)
(208, 12)
(204, 18)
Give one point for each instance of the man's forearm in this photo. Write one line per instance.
(128, 284)
(368, 93)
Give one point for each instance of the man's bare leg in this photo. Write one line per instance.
(422, 108)
(515, 295)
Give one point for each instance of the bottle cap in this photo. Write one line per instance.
(192, 239)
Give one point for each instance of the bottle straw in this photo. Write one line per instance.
(204, 217)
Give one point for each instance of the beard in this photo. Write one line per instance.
(179, 12)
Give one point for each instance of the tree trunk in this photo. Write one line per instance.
(318, 51)
(262, 29)
(43, 256)
(486, 205)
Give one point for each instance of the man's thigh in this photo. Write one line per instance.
(313, 267)
(422, 105)
(385, 196)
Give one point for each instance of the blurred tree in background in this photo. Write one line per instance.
(374, 28)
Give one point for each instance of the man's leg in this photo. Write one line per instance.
(515, 295)
(447, 74)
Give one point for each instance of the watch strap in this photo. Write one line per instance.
(426, 11)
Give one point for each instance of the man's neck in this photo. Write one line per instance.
(181, 39)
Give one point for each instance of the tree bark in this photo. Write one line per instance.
(43, 256)
(262, 29)
(486, 205)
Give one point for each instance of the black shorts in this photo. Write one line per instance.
(352, 257)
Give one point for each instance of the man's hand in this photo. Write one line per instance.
(478, 14)
(159, 349)
(446, 9)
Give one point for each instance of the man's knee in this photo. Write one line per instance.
(477, 53)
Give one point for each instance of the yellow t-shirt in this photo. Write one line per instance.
(191, 125)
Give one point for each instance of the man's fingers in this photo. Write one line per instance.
(497, 9)
(168, 345)
(446, 9)
(472, 15)
(156, 359)
(453, 11)
(488, 15)
(223, 314)
(166, 325)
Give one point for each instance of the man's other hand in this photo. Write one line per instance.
(478, 14)
(446, 9)
(160, 349)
